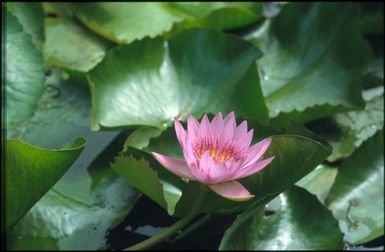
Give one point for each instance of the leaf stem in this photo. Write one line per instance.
(174, 228)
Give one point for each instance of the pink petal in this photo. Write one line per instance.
(257, 150)
(188, 153)
(206, 163)
(230, 126)
(217, 125)
(253, 168)
(204, 128)
(198, 174)
(230, 119)
(220, 173)
(180, 132)
(245, 141)
(231, 190)
(192, 127)
(179, 167)
(215, 172)
(241, 130)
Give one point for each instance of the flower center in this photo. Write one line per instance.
(220, 153)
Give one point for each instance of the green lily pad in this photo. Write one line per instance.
(358, 126)
(151, 81)
(24, 73)
(301, 223)
(357, 196)
(142, 172)
(68, 44)
(30, 16)
(313, 60)
(126, 22)
(70, 106)
(90, 198)
(217, 15)
(78, 211)
(347, 131)
(320, 181)
(30, 172)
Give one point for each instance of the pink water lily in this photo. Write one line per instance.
(217, 154)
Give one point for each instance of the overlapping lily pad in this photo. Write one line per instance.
(301, 223)
(90, 198)
(151, 81)
(24, 83)
(124, 22)
(308, 70)
(358, 126)
(356, 197)
(77, 212)
(30, 172)
(67, 43)
(30, 16)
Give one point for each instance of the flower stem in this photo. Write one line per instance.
(174, 228)
(201, 221)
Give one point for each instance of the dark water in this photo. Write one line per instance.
(147, 218)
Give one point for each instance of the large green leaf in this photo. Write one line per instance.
(347, 131)
(358, 126)
(313, 60)
(126, 22)
(68, 104)
(217, 15)
(151, 81)
(30, 16)
(320, 181)
(301, 223)
(123, 22)
(68, 44)
(24, 73)
(142, 171)
(30, 172)
(90, 198)
(76, 213)
(357, 196)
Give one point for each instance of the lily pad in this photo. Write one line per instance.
(30, 16)
(78, 211)
(359, 190)
(308, 70)
(124, 22)
(301, 223)
(320, 181)
(30, 172)
(24, 83)
(151, 81)
(68, 44)
(90, 198)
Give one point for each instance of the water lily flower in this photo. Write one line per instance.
(217, 154)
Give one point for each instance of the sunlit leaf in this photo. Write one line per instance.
(301, 223)
(76, 213)
(126, 22)
(30, 172)
(308, 70)
(24, 73)
(151, 81)
(68, 44)
(30, 16)
(357, 196)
